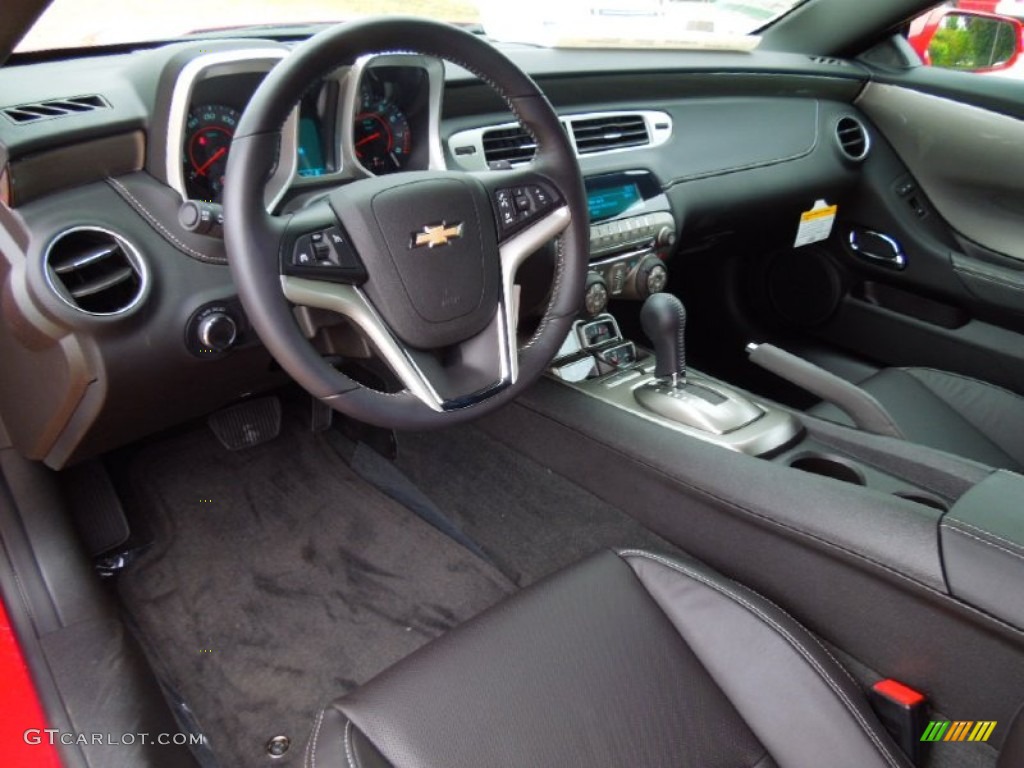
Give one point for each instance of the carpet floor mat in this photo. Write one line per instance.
(528, 520)
(278, 580)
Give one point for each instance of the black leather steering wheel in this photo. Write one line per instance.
(423, 262)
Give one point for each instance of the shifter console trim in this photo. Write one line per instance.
(773, 430)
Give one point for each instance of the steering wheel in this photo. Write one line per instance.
(424, 263)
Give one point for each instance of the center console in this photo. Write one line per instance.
(631, 236)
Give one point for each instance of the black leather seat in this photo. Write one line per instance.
(627, 659)
(953, 413)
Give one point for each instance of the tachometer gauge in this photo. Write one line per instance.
(382, 136)
(208, 135)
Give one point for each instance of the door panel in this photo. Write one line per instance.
(946, 182)
(969, 160)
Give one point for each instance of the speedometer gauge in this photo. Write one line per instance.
(382, 136)
(208, 135)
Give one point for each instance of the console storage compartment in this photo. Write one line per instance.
(983, 547)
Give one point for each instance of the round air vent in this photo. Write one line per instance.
(95, 271)
(854, 141)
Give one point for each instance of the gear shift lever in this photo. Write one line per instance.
(704, 405)
(663, 319)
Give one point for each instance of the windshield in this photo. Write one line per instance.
(682, 23)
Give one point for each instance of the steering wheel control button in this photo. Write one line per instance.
(326, 255)
(520, 206)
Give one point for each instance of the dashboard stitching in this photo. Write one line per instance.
(125, 193)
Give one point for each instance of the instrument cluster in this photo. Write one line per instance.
(391, 108)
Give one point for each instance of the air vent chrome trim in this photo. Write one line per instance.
(24, 114)
(518, 146)
(466, 148)
(847, 127)
(134, 264)
(623, 131)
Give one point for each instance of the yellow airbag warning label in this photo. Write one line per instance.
(816, 224)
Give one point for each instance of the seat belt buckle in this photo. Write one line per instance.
(904, 713)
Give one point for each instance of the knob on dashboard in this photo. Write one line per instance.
(665, 238)
(595, 297)
(651, 277)
(217, 331)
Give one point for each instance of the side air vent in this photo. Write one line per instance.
(512, 145)
(30, 113)
(854, 141)
(95, 271)
(600, 134)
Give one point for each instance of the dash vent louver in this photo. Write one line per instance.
(44, 110)
(95, 271)
(853, 138)
(512, 145)
(600, 134)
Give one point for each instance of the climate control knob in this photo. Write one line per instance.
(217, 331)
(651, 277)
(595, 298)
(665, 238)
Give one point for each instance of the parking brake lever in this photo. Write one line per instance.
(863, 409)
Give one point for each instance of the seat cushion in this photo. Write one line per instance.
(624, 659)
(950, 412)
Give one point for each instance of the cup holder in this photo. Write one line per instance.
(827, 466)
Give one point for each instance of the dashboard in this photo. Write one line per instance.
(679, 150)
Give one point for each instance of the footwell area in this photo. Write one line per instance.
(279, 578)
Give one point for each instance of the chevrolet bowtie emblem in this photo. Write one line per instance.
(436, 235)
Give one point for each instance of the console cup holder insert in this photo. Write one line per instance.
(827, 466)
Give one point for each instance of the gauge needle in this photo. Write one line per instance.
(368, 139)
(201, 170)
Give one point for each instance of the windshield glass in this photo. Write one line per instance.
(588, 23)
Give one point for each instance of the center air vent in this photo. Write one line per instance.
(95, 271)
(41, 110)
(512, 145)
(854, 141)
(600, 134)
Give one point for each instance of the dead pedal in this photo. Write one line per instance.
(249, 424)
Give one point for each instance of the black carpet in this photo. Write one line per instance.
(528, 520)
(279, 580)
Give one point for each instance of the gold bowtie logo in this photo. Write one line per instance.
(437, 235)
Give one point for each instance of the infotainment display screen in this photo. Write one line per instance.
(608, 202)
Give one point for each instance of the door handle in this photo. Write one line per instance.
(877, 248)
